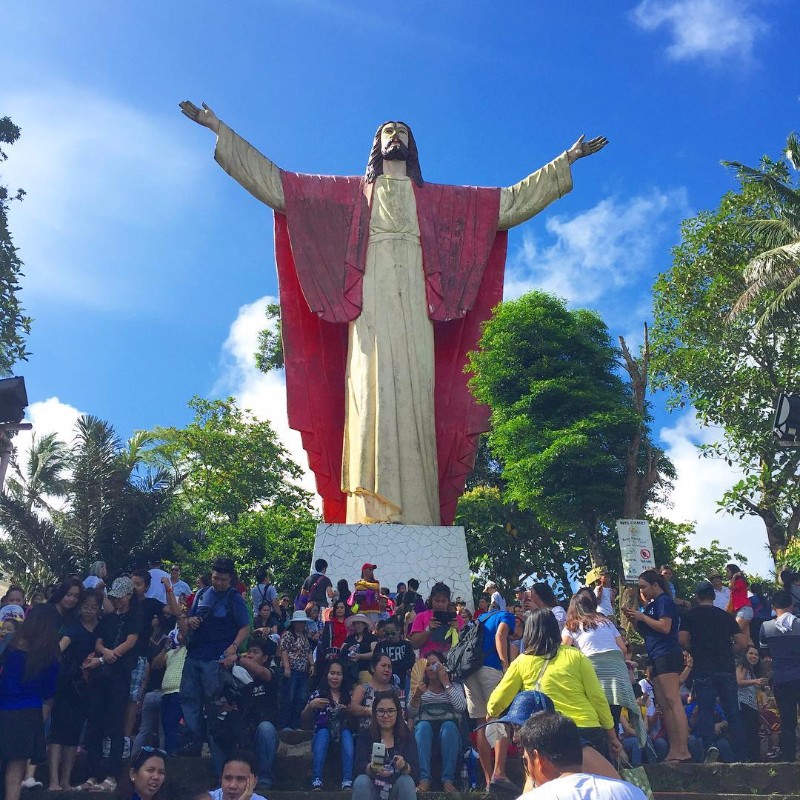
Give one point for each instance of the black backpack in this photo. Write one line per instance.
(467, 656)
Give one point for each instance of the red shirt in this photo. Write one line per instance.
(739, 597)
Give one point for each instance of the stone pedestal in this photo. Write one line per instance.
(428, 553)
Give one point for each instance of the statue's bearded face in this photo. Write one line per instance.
(394, 142)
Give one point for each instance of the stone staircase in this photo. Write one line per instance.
(188, 777)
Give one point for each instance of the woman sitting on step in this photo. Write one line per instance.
(437, 706)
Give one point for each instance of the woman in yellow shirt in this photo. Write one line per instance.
(565, 675)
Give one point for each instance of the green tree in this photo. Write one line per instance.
(238, 486)
(269, 355)
(562, 418)
(776, 269)
(14, 324)
(731, 373)
(673, 545)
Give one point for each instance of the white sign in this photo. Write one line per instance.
(635, 547)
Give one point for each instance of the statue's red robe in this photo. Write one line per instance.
(320, 247)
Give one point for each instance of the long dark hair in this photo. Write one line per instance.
(401, 731)
(375, 161)
(542, 636)
(60, 593)
(324, 688)
(37, 637)
(652, 577)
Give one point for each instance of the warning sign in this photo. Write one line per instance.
(636, 547)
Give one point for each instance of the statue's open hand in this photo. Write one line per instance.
(583, 148)
(202, 116)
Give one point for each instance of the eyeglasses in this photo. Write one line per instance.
(386, 712)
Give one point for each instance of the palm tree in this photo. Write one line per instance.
(773, 274)
(44, 476)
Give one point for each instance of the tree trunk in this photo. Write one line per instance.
(638, 484)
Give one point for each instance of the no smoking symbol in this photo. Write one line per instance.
(644, 553)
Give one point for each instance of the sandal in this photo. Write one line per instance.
(87, 786)
(108, 785)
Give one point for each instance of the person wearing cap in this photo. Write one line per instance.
(553, 759)
(366, 593)
(494, 595)
(297, 662)
(722, 593)
(708, 632)
(110, 681)
(357, 648)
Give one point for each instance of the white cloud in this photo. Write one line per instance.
(701, 483)
(101, 179)
(606, 247)
(46, 416)
(703, 28)
(263, 394)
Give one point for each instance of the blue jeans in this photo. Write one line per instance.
(171, 713)
(403, 789)
(199, 681)
(266, 745)
(293, 698)
(319, 751)
(449, 744)
(708, 686)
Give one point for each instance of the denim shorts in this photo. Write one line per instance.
(745, 612)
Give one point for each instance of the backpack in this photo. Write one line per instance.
(467, 656)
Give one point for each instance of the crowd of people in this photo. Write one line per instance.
(144, 668)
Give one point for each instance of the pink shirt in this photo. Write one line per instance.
(438, 640)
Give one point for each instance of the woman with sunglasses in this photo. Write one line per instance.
(398, 768)
(146, 775)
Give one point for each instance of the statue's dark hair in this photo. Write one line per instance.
(375, 162)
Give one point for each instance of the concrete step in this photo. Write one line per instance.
(189, 777)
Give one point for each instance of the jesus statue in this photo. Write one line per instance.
(384, 283)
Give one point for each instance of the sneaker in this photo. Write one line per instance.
(316, 785)
(712, 755)
(347, 786)
(126, 747)
(31, 783)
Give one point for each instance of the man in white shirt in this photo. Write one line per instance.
(181, 589)
(722, 594)
(496, 597)
(157, 588)
(553, 757)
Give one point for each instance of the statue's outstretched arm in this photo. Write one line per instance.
(202, 116)
(239, 158)
(533, 194)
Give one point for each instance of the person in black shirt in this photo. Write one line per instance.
(262, 707)
(152, 610)
(712, 635)
(318, 585)
(399, 651)
(72, 692)
(109, 684)
(781, 637)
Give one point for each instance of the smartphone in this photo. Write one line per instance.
(378, 754)
(445, 617)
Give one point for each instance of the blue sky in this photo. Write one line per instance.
(147, 267)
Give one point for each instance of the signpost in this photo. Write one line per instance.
(635, 547)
